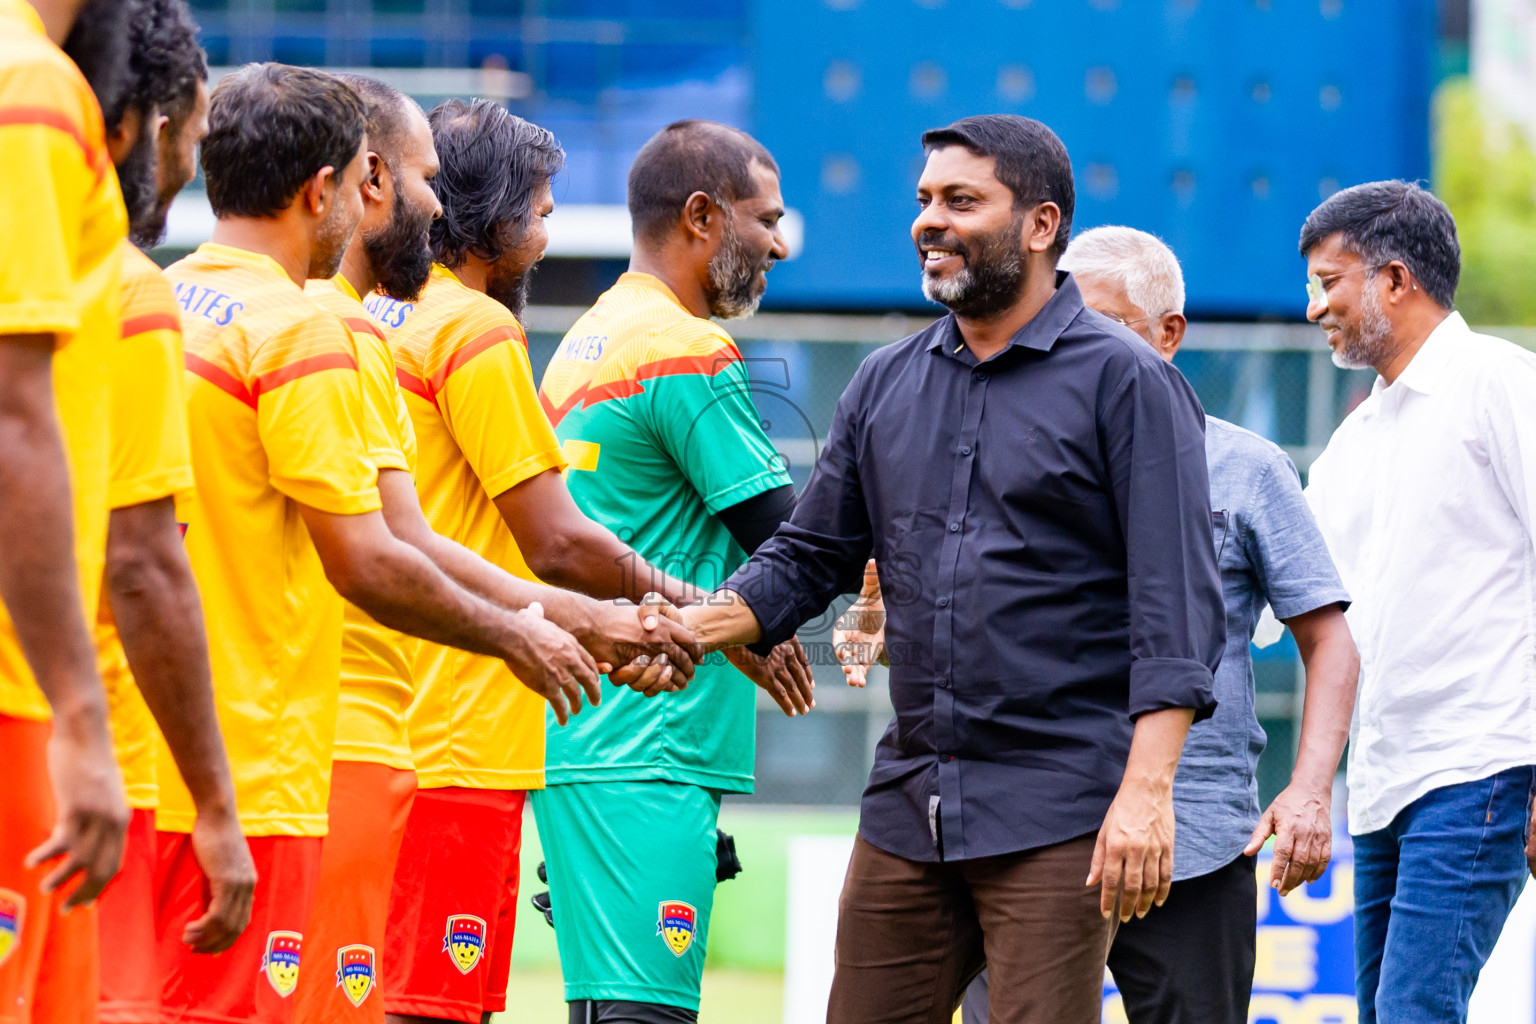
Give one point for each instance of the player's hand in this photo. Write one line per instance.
(619, 633)
(785, 674)
(92, 817)
(859, 635)
(1133, 858)
(225, 858)
(1300, 819)
(551, 663)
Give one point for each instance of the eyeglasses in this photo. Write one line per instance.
(1317, 291)
(1139, 320)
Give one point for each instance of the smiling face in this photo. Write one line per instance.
(750, 243)
(970, 238)
(1348, 305)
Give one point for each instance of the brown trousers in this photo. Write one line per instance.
(911, 935)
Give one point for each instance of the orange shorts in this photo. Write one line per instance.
(254, 979)
(368, 810)
(48, 961)
(125, 917)
(448, 944)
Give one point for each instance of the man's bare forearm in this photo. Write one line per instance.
(1333, 669)
(1156, 743)
(723, 619)
(159, 617)
(38, 572)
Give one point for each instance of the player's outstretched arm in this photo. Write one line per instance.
(159, 616)
(613, 633)
(401, 588)
(564, 547)
(38, 583)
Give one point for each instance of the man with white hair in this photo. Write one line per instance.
(1190, 960)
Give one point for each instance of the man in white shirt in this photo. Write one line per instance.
(1425, 496)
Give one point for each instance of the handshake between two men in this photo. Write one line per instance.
(649, 648)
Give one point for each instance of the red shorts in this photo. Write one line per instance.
(368, 810)
(254, 979)
(125, 917)
(48, 961)
(448, 945)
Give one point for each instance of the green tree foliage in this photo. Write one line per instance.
(1486, 173)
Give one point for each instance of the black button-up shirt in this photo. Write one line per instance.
(1043, 531)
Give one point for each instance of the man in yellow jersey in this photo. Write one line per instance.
(372, 781)
(489, 478)
(61, 217)
(285, 522)
(149, 596)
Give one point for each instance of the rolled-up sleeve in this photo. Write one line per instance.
(820, 551)
(1153, 431)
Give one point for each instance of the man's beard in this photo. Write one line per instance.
(510, 287)
(400, 253)
(1368, 343)
(137, 175)
(733, 290)
(991, 278)
(99, 45)
(331, 244)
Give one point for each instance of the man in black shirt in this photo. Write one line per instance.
(1030, 478)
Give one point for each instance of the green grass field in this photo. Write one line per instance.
(730, 997)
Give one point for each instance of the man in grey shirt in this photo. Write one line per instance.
(1190, 961)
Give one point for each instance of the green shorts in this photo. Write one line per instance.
(631, 884)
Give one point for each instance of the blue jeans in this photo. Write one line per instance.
(1432, 891)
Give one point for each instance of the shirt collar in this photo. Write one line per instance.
(1428, 365)
(650, 282)
(345, 287)
(438, 270)
(242, 257)
(1039, 334)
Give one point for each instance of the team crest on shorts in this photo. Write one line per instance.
(354, 972)
(675, 923)
(13, 908)
(464, 941)
(280, 963)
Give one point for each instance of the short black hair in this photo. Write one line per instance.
(271, 128)
(167, 62)
(1029, 159)
(687, 157)
(1382, 221)
(491, 164)
(101, 46)
(388, 109)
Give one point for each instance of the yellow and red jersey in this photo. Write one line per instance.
(61, 218)
(275, 409)
(151, 459)
(462, 361)
(376, 661)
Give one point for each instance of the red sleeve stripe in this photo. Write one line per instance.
(358, 324)
(136, 325)
(414, 384)
(467, 351)
(220, 378)
(274, 379)
(47, 117)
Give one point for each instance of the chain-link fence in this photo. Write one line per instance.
(1277, 380)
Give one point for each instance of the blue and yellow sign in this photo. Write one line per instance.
(355, 972)
(675, 921)
(464, 941)
(280, 962)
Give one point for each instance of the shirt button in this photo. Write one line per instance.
(945, 758)
(943, 602)
(944, 683)
(980, 375)
(965, 449)
(954, 527)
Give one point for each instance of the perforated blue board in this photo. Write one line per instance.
(1217, 124)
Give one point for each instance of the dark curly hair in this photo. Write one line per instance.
(167, 60)
(271, 128)
(491, 164)
(101, 45)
